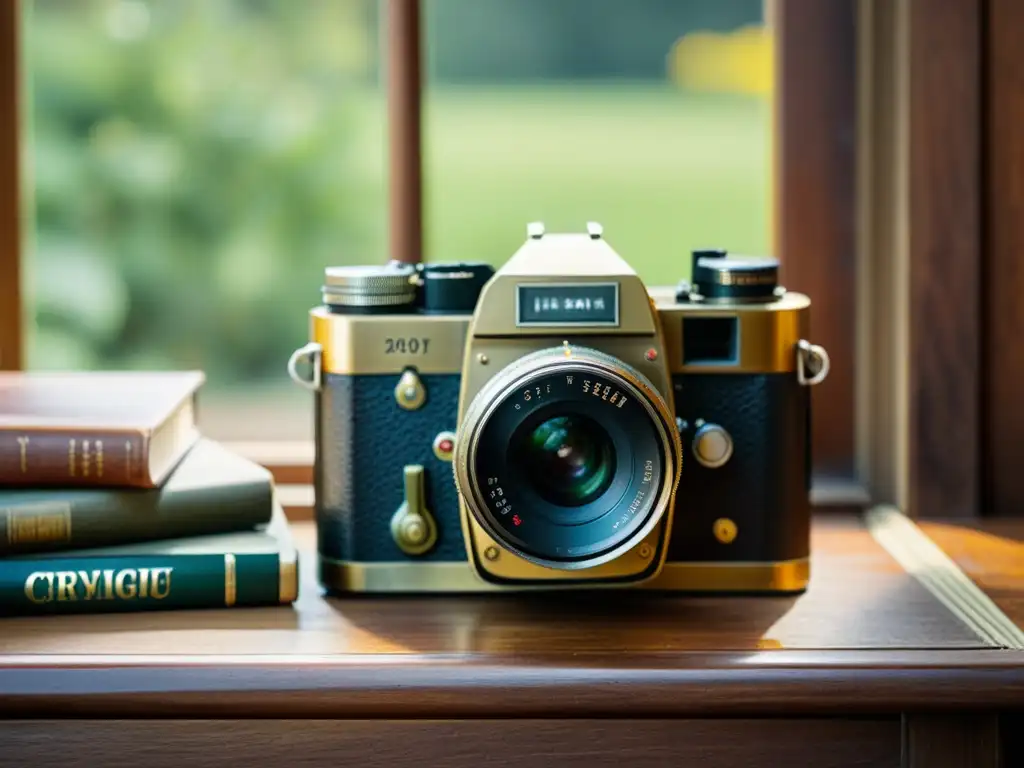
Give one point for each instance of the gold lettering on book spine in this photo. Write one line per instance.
(127, 458)
(23, 448)
(30, 587)
(125, 584)
(160, 583)
(39, 523)
(66, 581)
(71, 457)
(143, 583)
(85, 458)
(230, 580)
(99, 458)
(91, 582)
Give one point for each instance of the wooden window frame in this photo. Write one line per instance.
(11, 339)
(881, 172)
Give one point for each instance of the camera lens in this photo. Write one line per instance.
(567, 460)
(570, 460)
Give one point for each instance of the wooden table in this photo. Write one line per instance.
(869, 667)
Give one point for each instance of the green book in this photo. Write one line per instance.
(212, 490)
(258, 567)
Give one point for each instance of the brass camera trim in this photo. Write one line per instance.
(369, 344)
(358, 344)
(516, 376)
(784, 576)
(769, 332)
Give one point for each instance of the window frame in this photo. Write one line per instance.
(819, 170)
(11, 308)
(1001, 268)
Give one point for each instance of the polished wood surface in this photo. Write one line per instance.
(859, 598)
(951, 741)
(866, 638)
(1003, 352)
(991, 552)
(943, 102)
(460, 744)
(814, 178)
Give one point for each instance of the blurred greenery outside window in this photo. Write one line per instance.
(196, 163)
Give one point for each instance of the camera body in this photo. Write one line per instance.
(557, 424)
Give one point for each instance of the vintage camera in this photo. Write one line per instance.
(557, 424)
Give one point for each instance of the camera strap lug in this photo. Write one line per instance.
(812, 363)
(310, 353)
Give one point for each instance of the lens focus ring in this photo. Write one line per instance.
(567, 460)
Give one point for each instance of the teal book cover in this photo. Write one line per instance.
(252, 568)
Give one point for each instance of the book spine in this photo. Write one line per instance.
(145, 582)
(74, 458)
(86, 519)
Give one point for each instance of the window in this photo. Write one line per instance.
(652, 117)
(193, 166)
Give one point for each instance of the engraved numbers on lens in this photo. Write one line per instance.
(604, 392)
(648, 470)
(403, 346)
(631, 510)
(535, 393)
(496, 494)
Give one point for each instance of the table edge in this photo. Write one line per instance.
(814, 683)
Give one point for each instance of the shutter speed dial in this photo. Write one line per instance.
(712, 445)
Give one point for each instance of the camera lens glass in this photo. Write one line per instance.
(569, 459)
(568, 463)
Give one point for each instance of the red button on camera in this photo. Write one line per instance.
(444, 446)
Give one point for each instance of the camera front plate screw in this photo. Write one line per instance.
(725, 530)
(491, 553)
(410, 393)
(483, 359)
(645, 551)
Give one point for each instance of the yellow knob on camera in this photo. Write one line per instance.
(412, 526)
(725, 530)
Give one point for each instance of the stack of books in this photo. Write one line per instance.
(111, 500)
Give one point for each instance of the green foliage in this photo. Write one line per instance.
(193, 173)
(197, 163)
(502, 41)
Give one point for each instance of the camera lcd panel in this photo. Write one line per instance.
(711, 341)
(579, 304)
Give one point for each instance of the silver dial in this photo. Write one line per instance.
(712, 445)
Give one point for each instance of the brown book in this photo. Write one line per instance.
(114, 429)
